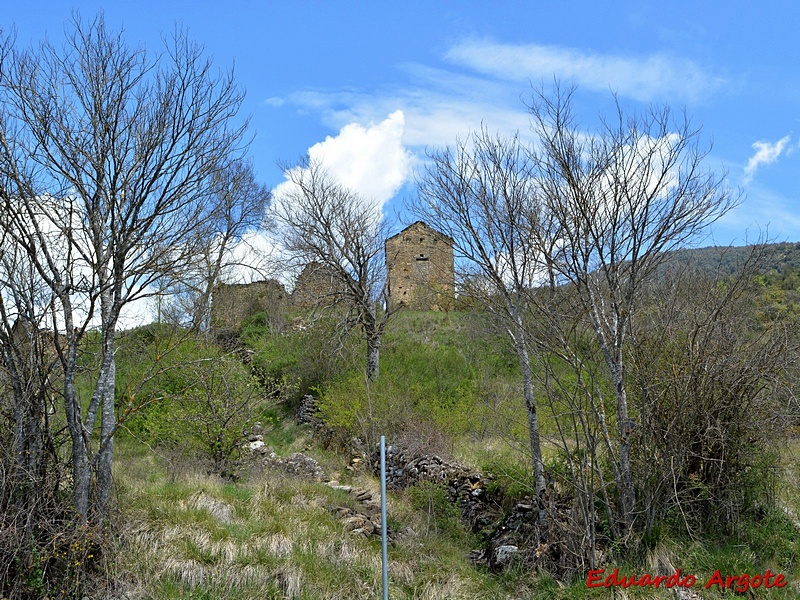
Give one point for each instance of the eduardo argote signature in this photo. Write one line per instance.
(738, 583)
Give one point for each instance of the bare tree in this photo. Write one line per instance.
(621, 198)
(238, 205)
(326, 223)
(707, 375)
(589, 214)
(29, 459)
(483, 196)
(107, 155)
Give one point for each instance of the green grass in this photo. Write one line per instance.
(283, 540)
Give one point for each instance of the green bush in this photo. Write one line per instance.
(423, 386)
(309, 354)
(188, 396)
(217, 411)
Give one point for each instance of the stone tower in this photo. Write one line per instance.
(419, 268)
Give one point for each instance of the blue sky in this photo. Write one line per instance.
(370, 85)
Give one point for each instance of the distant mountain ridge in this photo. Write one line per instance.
(777, 257)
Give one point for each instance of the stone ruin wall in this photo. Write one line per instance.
(316, 287)
(233, 303)
(419, 266)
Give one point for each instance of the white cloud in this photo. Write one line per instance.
(370, 160)
(252, 258)
(441, 105)
(766, 153)
(645, 78)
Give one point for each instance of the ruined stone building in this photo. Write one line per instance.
(317, 286)
(419, 271)
(232, 303)
(419, 268)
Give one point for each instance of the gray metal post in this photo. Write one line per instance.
(384, 550)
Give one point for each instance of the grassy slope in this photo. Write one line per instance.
(194, 536)
(283, 541)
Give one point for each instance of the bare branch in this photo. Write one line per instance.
(325, 223)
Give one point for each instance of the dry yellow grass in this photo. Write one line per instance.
(274, 537)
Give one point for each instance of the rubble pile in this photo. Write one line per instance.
(509, 538)
(364, 520)
(308, 411)
(297, 464)
(480, 508)
(403, 469)
(515, 537)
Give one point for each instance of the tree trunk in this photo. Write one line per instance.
(614, 361)
(373, 356)
(107, 387)
(534, 438)
(201, 319)
(21, 361)
(81, 470)
(625, 426)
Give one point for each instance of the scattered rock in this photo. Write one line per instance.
(335, 485)
(297, 464)
(364, 520)
(503, 555)
(363, 495)
(512, 537)
(354, 522)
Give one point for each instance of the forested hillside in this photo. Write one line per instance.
(777, 257)
(713, 454)
(214, 502)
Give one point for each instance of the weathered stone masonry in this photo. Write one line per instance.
(419, 268)
(233, 303)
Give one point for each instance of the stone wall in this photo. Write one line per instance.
(317, 286)
(419, 267)
(233, 303)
